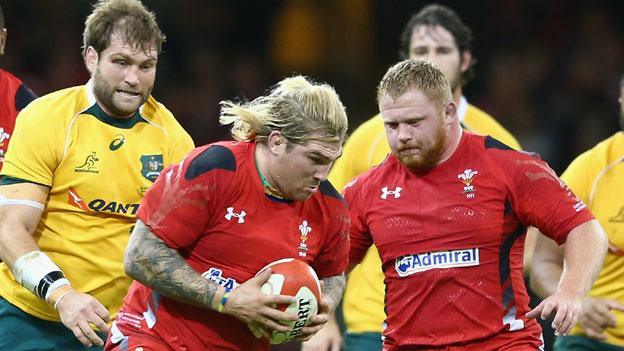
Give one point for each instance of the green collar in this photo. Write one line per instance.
(124, 123)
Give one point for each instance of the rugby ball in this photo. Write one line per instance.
(296, 278)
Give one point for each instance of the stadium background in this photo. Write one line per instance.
(547, 70)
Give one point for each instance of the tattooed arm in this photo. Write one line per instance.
(151, 262)
(332, 288)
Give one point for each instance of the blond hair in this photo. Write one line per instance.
(128, 17)
(300, 109)
(421, 75)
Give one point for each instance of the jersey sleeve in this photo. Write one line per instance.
(36, 146)
(334, 258)
(181, 145)
(178, 207)
(542, 200)
(359, 234)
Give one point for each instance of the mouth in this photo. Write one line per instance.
(409, 151)
(127, 93)
(311, 188)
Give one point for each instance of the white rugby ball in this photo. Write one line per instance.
(296, 278)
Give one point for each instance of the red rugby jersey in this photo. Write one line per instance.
(14, 96)
(213, 209)
(451, 240)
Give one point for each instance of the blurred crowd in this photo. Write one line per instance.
(548, 70)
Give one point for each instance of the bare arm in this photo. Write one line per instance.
(546, 266)
(18, 222)
(150, 261)
(584, 253)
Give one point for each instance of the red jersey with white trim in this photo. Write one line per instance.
(451, 242)
(213, 209)
(14, 96)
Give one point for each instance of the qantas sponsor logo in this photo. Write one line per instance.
(410, 264)
(100, 205)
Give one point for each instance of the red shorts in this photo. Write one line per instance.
(128, 340)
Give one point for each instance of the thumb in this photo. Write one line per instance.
(614, 305)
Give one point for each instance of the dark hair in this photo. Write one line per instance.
(129, 17)
(438, 15)
(1, 18)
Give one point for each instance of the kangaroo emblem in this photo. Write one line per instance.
(89, 164)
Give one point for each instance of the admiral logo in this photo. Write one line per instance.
(396, 193)
(467, 178)
(410, 264)
(99, 205)
(216, 275)
(89, 164)
(118, 142)
(231, 214)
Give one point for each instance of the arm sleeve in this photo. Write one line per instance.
(36, 146)
(542, 200)
(178, 210)
(359, 235)
(334, 258)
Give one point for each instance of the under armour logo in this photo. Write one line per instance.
(230, 213)
(396, 192)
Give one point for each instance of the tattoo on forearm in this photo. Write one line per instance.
(333, 287)
(150, 261)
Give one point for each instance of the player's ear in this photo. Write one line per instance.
(276, 142)
(91, 59)
(466, 60)
(450, 112)
(3, 36)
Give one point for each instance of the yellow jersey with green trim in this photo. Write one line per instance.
(363, 302)
(97, 168)
(597, 178)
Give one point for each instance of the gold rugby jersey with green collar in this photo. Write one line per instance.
(597, 178)
(97, 168)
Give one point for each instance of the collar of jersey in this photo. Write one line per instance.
(124, 123)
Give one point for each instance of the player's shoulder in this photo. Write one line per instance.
(376, 175)
(498, 153)
(56, 108)
(602, 156)
(220, 156)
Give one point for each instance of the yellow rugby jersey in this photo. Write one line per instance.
(97, 168)
(363, 302)
(597, 178)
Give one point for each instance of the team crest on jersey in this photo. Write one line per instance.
(619, 218)
(396, 193)
(89, 165)
(304, 229)
(410, 264)
(239, 216)
(152, 165)
(216, 275)
(467, 177)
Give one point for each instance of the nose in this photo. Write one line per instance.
(403, 133)
(132, 76)
(322, 172)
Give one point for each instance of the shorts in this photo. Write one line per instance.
(19, 331)
(583, 343)
(362, 342)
